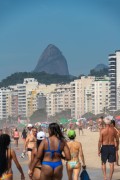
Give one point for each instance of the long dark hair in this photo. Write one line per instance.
(4, 143)
(55, 130)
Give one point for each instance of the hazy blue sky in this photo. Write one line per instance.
(86, 31)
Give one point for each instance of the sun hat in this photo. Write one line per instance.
(29, 125)
(107, 119)
(40, 135)
(71, 133)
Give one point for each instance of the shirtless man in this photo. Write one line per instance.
(107, 144)
(31, 143)
(74, 166)
(117, 149)
(91, 124)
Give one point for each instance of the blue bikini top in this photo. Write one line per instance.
(53, 151)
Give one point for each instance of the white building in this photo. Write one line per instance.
(100, 95)
(114, 74)
(78, 88)
(24, 90)
(58, 100)
(4, 103)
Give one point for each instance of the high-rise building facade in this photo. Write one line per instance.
(114, 74)
(4, 103)
(100, 95)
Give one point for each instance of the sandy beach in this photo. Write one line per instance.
(89, 142)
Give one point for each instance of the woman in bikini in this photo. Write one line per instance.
(30, 143)
(16, 137)
(51, 149)
(37, 169)
(74, 166)
(6, 157)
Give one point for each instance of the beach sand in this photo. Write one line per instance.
(89, 142)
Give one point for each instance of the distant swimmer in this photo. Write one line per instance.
(74, 165)
(6, 156)
(107, 145)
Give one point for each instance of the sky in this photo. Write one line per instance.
(85, 31)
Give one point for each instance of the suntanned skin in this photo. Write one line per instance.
(30, 143)
(36, 173)
(100, 123)
(91, 124)
(12, 156)
(47, 172)
(117, 148)
(76, 148)
(108, 136)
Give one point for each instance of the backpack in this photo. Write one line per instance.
(84, 175)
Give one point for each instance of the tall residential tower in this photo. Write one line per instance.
(114, 74)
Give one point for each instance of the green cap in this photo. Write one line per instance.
(71, 133)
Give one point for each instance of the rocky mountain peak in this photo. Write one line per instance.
(52, 61)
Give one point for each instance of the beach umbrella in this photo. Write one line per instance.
(21, 125)
(74, 120)
(63, 121)
(117, 118)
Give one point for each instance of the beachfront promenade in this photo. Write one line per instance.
(90, 143)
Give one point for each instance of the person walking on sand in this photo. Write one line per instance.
(24, 135)
(117, 148)
(16, 137)
(6, 157)
(30, 143)
(37, 169)
(100, 123)
(51, 150)
(80, 127)
(74, 166)
(107, 144)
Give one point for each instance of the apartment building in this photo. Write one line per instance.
(88, 99)
(114, 74)
(31, 102)
(45, 89)
(24, 90)
(78, 88)
(100, 95)
(4, 103)
(58, 100)
(14, 104)
(41, 101)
